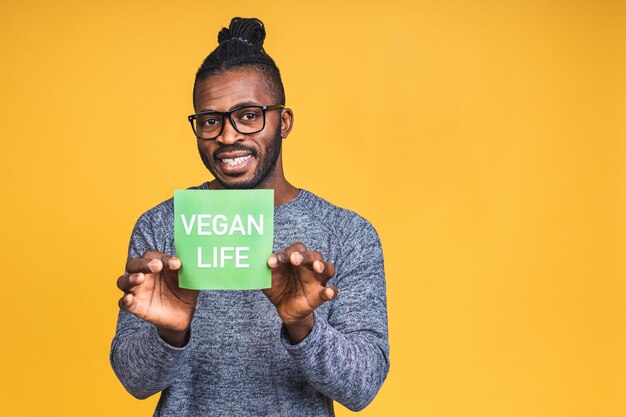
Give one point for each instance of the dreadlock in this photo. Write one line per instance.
(241, 45)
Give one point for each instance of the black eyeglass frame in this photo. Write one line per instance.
(229, 115)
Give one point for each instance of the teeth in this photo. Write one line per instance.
(236, 161)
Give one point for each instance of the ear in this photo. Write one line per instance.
(286, 122)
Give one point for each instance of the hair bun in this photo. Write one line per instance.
(246, 30)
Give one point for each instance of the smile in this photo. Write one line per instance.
(236, 161)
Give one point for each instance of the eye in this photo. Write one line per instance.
(248, 115)
(209, 121)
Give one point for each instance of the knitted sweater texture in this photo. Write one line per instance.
(239, 360)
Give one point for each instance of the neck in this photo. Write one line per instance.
(283, 190)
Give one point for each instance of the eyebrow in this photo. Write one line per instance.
(236, 106)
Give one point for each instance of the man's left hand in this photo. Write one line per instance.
(299, 278)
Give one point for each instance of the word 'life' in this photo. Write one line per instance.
(222, 254)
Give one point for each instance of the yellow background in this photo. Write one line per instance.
(484, 140)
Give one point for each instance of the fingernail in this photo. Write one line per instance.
(297, 257)
(174, 263)
(272, 261)
(320, 266)
(330, 292)
(154, 264)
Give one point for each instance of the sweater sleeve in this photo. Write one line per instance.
(144, 363)
(346, 357)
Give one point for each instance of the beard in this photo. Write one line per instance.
(265, 167)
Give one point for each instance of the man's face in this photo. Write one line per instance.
(239, 160)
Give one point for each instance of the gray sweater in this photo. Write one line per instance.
(239, 360)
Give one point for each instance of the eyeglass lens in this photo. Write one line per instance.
(246, 120)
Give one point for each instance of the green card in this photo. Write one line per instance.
(224, 238)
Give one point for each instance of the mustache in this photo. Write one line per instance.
(232, 148)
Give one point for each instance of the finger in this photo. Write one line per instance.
(329, 293)
(324, 269)
(128, 303)
(144, 265)
(314, 261)
(305, 258)
(277, 260)
(169, 261)
(128, 282)
(295, 247)
(150, 265)
(281, 257)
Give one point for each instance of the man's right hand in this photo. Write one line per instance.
(151, 292)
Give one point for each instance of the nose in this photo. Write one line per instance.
(229, 134)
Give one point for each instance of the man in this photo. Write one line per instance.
(318, 334)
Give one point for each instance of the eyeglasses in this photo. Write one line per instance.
(247, 120)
